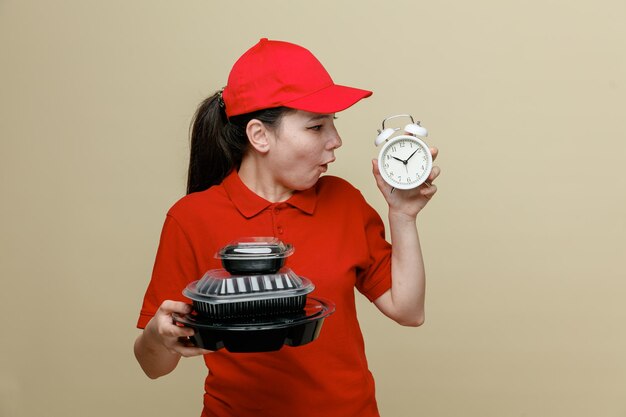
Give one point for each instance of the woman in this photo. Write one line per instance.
(258, 151)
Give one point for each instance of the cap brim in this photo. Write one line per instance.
(332, 99)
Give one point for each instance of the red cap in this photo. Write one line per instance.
(276, 74)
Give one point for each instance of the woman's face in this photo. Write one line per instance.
(301, 148)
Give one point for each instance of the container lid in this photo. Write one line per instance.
(250, 248)
(315, 309)
(219, 286)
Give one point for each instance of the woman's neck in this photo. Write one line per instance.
(262, 182)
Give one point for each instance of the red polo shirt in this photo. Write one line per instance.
(339, 245)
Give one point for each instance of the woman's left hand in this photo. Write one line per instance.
(408, 202)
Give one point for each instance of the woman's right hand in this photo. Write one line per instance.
(162, 330)
(162, 343)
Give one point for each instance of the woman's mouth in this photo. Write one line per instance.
(325, 165)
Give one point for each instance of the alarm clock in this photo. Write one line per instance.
(404, 160)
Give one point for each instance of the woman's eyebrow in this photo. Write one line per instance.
(320, 117)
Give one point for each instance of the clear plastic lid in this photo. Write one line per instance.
(255, 248)
(219, 286)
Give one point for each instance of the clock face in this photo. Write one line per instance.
(405, 162)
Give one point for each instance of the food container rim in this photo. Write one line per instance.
(254, 248)
(315, 309)
(219, 286)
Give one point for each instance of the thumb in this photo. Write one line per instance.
(168, 307)
(379, 179)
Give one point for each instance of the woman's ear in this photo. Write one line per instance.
(257, 134)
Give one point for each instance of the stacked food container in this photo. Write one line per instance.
(256, 303)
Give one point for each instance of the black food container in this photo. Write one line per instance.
(255, 304)
(253, 312)
(259, 334)
(222, 296)
(254, 255)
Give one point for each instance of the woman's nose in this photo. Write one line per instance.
(335, 141)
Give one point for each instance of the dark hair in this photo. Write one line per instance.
(219, 143)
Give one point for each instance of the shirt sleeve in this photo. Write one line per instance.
(374, 280)
(174, 267)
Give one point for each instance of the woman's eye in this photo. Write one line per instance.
(316, 128)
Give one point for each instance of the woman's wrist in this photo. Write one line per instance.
(401, 218)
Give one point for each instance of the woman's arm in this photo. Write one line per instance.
(159, 348)
(404, 302)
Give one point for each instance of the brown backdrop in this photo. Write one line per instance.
(525, 242)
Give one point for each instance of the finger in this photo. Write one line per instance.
(168, 307)
(182, 332)
(168, 331)
(375, 169)
(169, 327)
(429, 190)
(434, 173)
(379, 179)
(186, 347)
(384, 188)
(434, 152)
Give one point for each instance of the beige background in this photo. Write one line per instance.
(525, 242)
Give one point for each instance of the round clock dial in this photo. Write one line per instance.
(405, 162)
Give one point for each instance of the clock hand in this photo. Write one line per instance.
(407, 160)
(404, 162)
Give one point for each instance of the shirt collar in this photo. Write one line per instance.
(250, 204)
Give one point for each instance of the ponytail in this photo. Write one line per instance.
(219, 143)
(210, 158)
